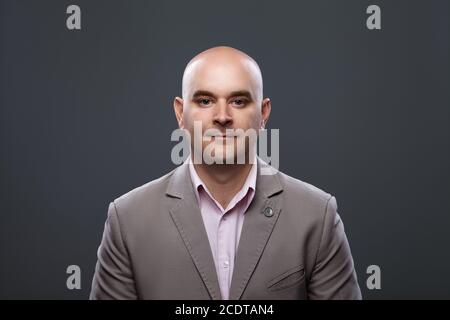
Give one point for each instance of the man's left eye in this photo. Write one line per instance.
(239, 102)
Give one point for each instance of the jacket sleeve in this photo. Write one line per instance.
(333, 276)
(113, 278)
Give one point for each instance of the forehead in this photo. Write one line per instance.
(222, 77)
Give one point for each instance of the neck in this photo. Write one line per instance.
(223, 180)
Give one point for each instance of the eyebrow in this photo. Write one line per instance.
(244, 93)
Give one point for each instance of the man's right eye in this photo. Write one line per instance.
(204, 101)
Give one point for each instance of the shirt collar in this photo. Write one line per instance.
(249, 184)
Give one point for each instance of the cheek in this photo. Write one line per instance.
(193, 115)
(196, 114)
(247, 119)
(189, 116)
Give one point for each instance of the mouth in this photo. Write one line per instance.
(223, 137)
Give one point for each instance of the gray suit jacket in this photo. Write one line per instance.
(155, 245)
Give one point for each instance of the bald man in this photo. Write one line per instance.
(219, 228)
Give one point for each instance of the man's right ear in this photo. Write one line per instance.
(178, 108)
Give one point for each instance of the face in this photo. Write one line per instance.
(222, 95)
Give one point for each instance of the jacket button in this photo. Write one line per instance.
(268, 212)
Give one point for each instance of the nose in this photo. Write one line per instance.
(222, 116)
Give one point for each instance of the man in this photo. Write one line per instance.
(215, 230)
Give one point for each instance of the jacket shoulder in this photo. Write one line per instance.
(302, 189)
(144, 195)
(304, 202)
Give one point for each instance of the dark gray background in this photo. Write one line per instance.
(87, 115)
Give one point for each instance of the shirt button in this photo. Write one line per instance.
(226, 264)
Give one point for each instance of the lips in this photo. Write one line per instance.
(223, 137)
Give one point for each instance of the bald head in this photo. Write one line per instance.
(222, 89)
(223, 66)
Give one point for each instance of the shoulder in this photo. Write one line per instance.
(306, 201)
(144, 196)
(296, 187)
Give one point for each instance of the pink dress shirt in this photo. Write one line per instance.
(223, 226)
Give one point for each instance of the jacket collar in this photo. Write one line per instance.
(256, 229)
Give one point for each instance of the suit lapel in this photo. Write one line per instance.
(188, 220)
(255, 233)
(259, 222)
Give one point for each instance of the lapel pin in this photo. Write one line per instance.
(268, 212)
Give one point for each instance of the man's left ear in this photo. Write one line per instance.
(266, 106)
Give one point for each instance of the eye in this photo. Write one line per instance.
(204, 101)
(239, 102)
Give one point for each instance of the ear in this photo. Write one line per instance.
(178, 108)
(266, 106)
